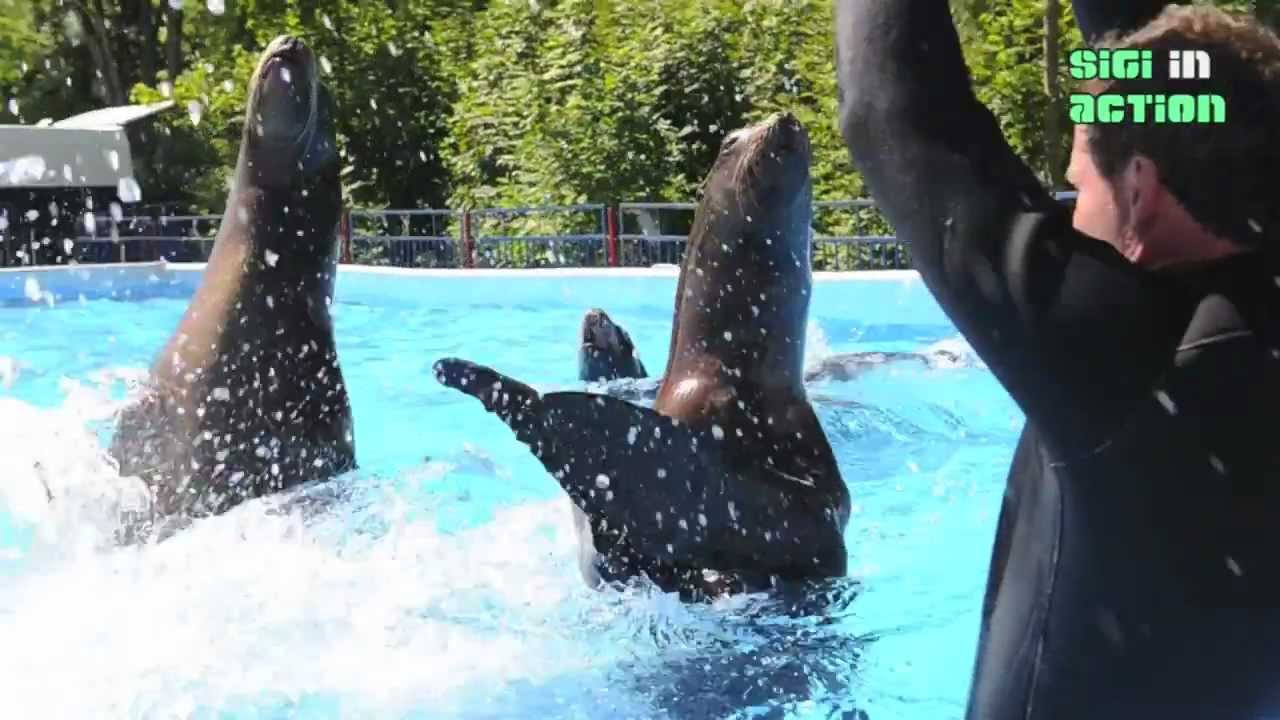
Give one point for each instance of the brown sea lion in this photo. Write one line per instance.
(247, 397)
(607, 352)
(728, 484)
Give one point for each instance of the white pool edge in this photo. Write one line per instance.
(452, 273)
(655, 271)
(869, 296)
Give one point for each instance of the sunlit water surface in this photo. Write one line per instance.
(440, 580)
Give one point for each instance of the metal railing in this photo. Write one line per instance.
(848, 235)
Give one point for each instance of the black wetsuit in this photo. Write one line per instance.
(1098, 17)
(1136, 566)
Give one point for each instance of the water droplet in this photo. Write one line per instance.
(1217, 464)
(728, 336)
(602, 481)
(327, 22)
(217, 7)
(221, 393)
(90, 224)
(1233, 566)
(13, 106)
(33, 214)
(271, 257)
(285, 75)
(1255, 225)
(326, 65)
(117, 212)
(196, 111)
(31, 288)
(165, 87)
(128, 191)
(717, 432)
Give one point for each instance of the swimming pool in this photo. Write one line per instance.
(439, 580)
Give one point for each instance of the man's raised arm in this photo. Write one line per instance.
(1068, 326)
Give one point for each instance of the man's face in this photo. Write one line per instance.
(1136, 214)
(1097, 213)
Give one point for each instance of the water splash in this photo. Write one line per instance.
(195, 111)
(817, 348)
(128, 191)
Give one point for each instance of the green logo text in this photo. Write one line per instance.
(1130, 64)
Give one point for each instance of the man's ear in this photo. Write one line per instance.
(1141, 192)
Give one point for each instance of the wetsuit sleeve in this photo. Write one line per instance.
(1072, 330)
(1098, 17)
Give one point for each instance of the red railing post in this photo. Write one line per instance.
(344, 231)
(611, 232)
(468, 241)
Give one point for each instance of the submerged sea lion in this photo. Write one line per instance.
(607, 352)
(247, 396)
(728, 483)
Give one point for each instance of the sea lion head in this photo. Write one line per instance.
(743, 296)
(607, 352)
(289, 139)
(760, 181)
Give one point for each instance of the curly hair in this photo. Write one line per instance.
(1224, 174)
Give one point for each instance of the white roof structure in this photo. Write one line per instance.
(112, 117)
(88, 150)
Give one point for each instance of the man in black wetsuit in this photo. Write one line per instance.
(1136, 566)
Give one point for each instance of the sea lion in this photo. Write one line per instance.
(728, 483)
(843, 367)
(607, 352)
(247, 397)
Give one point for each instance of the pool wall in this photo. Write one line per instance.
(896, 294)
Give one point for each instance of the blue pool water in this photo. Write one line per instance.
(439, 580)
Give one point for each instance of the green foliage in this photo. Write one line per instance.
(22, 43)
(1004, 48)
(188, 155)
(484, 103)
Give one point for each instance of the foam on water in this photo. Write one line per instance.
(441, 579)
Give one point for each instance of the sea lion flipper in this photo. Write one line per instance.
(514, 402)
(665, 488)
(636, 473)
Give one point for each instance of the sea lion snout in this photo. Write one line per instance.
(288, 47)
(598, 329)
(787, 133)
(286, 90)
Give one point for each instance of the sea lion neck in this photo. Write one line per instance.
(285, 230)
(743, 299)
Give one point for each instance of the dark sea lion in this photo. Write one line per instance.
(247, 397)
(728, 483)
(607, 352)
(848, 366)
(843, 367)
